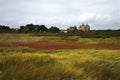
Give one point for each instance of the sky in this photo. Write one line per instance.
(99, 14)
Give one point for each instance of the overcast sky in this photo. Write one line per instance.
(99, 14)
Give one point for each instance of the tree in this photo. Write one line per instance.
(21, 28)
(4, 28)
(24, 29)
(41, 28)
(14, 30)
(54, 29)
(31, 27)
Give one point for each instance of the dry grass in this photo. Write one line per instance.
(86, 64)
(60, 65)
(13, 39)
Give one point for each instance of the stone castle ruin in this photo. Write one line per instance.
(72, 29)
(83, 27)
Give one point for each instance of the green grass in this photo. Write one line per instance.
(99, 40)
(89, 64)
(13, 39)
(24, 63)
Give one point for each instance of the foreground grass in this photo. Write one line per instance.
(90, 64)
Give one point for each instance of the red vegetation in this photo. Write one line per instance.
(55, 45)
(46, 45)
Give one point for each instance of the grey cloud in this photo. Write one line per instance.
(100, 14)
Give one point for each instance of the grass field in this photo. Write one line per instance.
(90, 64)
(11, 39)
(23, 63)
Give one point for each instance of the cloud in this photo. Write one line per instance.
(100, 14)
(101, 21)
(87, 17)
(93, 17)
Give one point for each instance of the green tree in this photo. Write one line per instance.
(24, 29)
(54, 29)
(21, 28)
(31, 27)
(13, 30)
(41, 28)
(4, 28)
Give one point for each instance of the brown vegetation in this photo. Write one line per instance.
(55, 45)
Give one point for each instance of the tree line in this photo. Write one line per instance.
(42, 30)
(4, 28)
(30, 28)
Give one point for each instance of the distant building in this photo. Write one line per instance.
(72, 29)
(84, 27)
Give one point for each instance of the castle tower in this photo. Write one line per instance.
(84, 27)
(87, 28)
